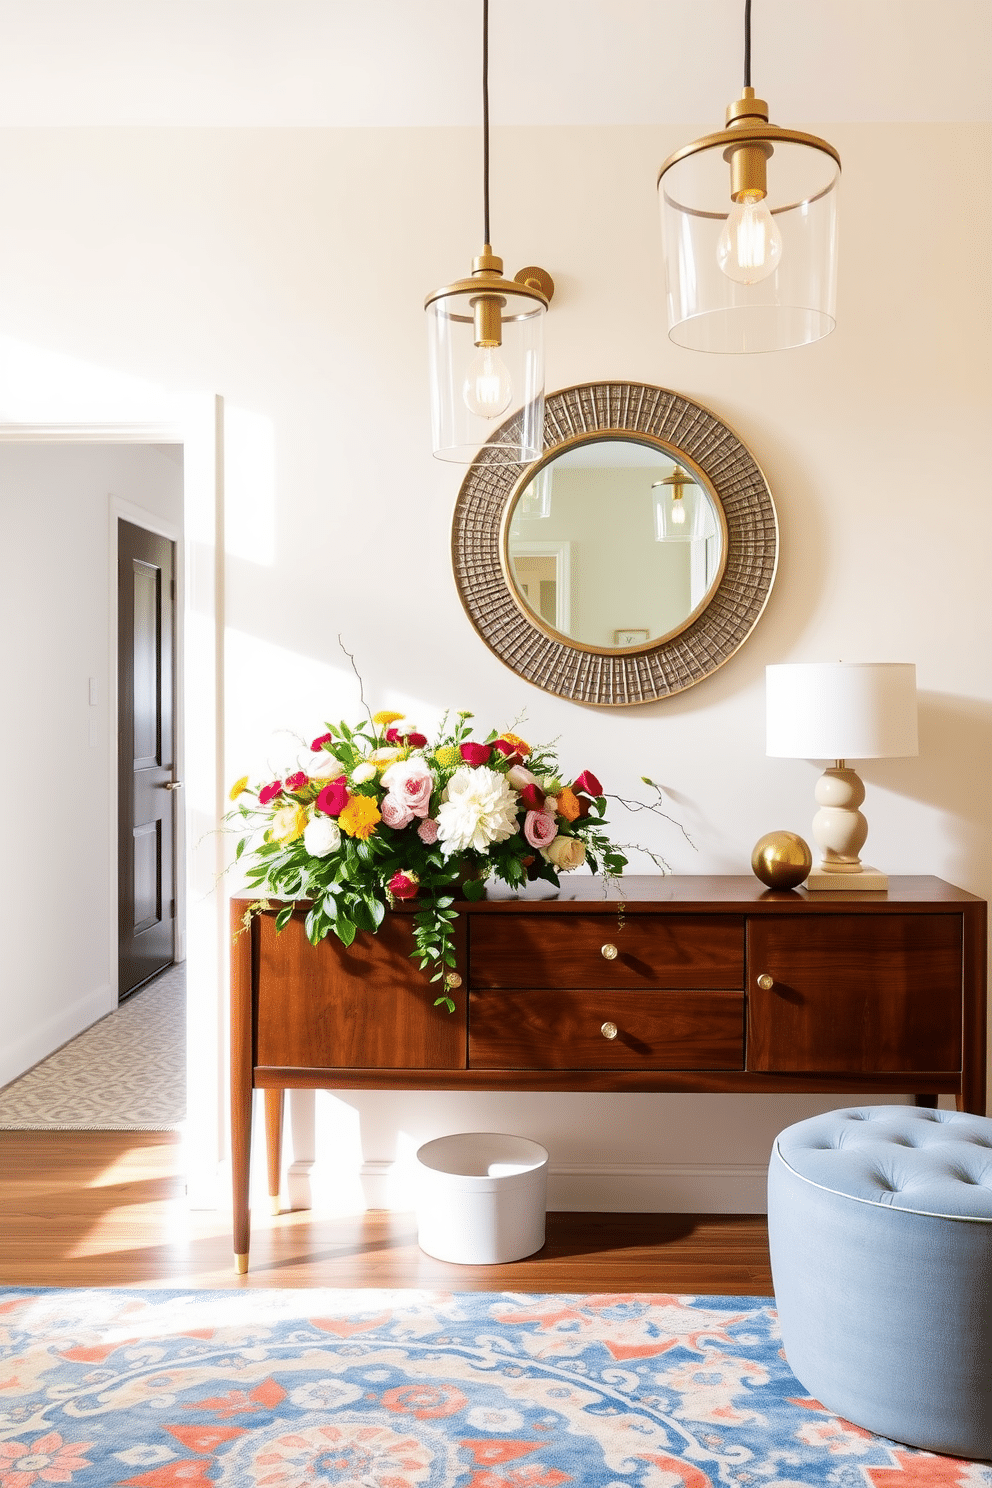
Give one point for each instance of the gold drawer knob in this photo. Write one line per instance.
(609, 1030)
(453, 979)
(766, 982)
(609, 952)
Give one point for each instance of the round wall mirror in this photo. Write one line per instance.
(613, 543)
(629, 562)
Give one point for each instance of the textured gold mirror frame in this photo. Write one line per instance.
(622, 677)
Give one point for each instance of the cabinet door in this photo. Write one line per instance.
(872, 993)
(365, 1007)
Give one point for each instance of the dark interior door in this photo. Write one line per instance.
(146, 754)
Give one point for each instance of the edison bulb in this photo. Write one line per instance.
(488, 387)
(678, 512)
(750, 244)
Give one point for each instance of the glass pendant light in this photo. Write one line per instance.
(486, 344)
(749, 223)
(681, 511)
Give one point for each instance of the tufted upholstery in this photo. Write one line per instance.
(931, 1162)
(880, 1228)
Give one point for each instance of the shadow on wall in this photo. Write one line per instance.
(952, 775)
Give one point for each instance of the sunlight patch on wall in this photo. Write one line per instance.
(250, 486)
(38, 386)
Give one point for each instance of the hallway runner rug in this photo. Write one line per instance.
(419, 1389)
(126, 1072)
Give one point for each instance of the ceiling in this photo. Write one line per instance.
(320, 63)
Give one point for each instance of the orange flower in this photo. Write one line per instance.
(359, 817)
(520, 745)
(568, 805)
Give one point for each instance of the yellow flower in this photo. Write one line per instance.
(359, 817)
(384, 719)
(288, 823)
(383, 758)
(448, 755)
(237, 788)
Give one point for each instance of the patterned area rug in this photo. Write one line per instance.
(125, 1073)
(414, 1389)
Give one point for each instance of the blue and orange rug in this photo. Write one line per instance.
(411, 1389)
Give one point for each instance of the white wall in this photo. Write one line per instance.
(288, 269)
(57, 749)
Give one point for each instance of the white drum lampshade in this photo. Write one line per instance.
(841, 711)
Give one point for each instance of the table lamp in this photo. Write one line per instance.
(841, 710)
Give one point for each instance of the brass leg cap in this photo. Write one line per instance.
(275, 1204)
(241, 1264)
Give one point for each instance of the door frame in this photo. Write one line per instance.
(196, 422)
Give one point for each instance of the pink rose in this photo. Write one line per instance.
(587, 782)
(540, 828)
(269, 792)
(475, 754)
(533, 797)
(395, 813)
(427, 831)
(403, 885)
(319, 743)
(296, 782)
(334, 797)
(410, 783)
(519, 776)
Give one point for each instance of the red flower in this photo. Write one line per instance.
(403, 885)
(475, 754)
(269, 792)
(298, 781)
(319, 743)
(587, 782)
(511, 752)
(413, 741)
(533, 797)
(334, 797)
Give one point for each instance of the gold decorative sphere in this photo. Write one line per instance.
(781, 859)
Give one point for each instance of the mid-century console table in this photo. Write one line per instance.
(696, 984)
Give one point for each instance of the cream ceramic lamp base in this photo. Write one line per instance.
(839, 831)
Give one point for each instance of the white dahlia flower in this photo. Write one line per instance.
(477, 808)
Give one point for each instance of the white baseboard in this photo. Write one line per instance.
(31, 1048)
(609, 1188)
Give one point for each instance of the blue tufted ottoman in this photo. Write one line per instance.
(880, 1226)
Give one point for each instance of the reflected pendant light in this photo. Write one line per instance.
(486, 344)
(749, 225)
(681, 511)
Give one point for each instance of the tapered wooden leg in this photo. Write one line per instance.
(241, 1088)
(274, 1103)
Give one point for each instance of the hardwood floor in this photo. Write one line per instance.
(108, 1209)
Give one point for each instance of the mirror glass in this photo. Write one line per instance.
(614, 543)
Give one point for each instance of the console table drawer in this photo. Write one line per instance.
(566, 950)
(554, 1029)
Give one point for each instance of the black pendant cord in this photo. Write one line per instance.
(747, 43)
(485, 118)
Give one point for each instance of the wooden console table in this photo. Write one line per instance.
(698, 984)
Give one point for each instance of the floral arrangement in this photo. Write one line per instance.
(378, 814)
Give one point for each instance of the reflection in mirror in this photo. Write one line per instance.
(613, 545)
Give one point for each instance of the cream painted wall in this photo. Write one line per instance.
(288, 269)
(57, 747)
